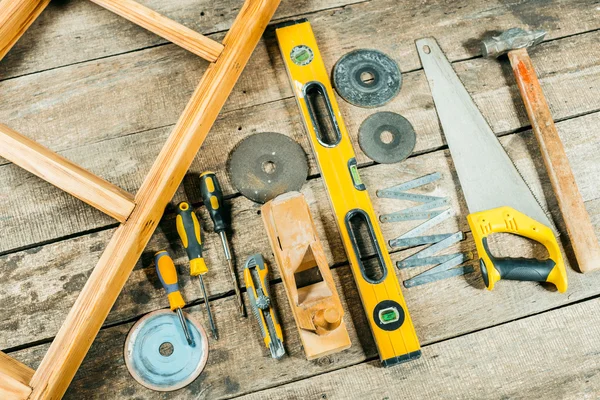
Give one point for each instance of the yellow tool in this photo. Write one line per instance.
(257, 285)
(498, 198)
(375, 277)
(168, 277)
(190, 234)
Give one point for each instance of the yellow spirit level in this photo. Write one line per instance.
(372, 267)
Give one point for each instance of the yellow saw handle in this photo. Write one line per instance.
(509, 220)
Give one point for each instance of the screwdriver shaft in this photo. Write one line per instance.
(234, 277)
(213, 328)
(186, 331)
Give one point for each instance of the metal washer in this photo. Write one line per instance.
(403, 137)
(165, 372)
(384, 86)
(286, 159)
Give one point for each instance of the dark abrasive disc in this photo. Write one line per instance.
(367, 78)
(387, 137)
(266, 165)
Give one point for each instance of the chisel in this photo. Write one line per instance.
(168, 277)
(190, 234)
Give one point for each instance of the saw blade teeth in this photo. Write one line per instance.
(489, 177)
(537, 200)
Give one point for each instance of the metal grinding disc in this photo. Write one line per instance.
(266, 165)
(367, 78)
(178, 364)
(387, 137)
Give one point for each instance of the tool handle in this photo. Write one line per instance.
(577, 221)
(212, 196)
(168, 278)
(509, 220)
(190, 233)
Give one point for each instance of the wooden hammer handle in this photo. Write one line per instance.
(579, 227)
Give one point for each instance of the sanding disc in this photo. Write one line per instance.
(159, 357)
(367, 78)
(387, 137)
(268, 164)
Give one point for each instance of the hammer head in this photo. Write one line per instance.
(514, 38)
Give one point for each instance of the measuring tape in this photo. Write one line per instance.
(375, 277)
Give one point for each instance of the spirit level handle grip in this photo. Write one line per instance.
(509, 220)
(190, 233)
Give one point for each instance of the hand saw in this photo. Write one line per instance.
(498, 198)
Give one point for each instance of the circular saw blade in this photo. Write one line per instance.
(159, 357)
(387, 137)
(266, 165)
(367, 78)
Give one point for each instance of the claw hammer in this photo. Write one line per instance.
(515, 42)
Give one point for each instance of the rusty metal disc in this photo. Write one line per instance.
(266, 165)
(367, 78)
(387, 137)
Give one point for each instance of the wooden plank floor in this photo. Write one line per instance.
(105, 94)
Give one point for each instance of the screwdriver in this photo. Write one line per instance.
(190, 234)
(168, 277)
(212, 195)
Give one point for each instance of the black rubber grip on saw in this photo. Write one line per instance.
(517, 269)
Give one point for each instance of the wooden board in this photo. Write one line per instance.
(51, 289)
(550, 356)
(105, 94)
(125, 160)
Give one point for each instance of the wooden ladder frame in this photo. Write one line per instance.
(139, 215)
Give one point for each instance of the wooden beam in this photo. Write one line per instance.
(15, 18)
(164, 27)
(83, 322)
(577, 221)
(62, 173)
(14, 378)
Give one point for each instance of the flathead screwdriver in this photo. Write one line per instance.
(168, 277)
(190, 233)
(212, 195)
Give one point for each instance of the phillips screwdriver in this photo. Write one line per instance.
(212, 195)
(168, 277)
(190, 234)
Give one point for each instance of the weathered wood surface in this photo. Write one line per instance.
(75, 31)
(45, 281)
(571, 90)
(453, 307)
(548, 356)
(109, 101)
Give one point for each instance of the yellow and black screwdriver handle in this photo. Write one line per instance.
(509, 220)
(190, 233)
(165, 268)
(212, 196)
